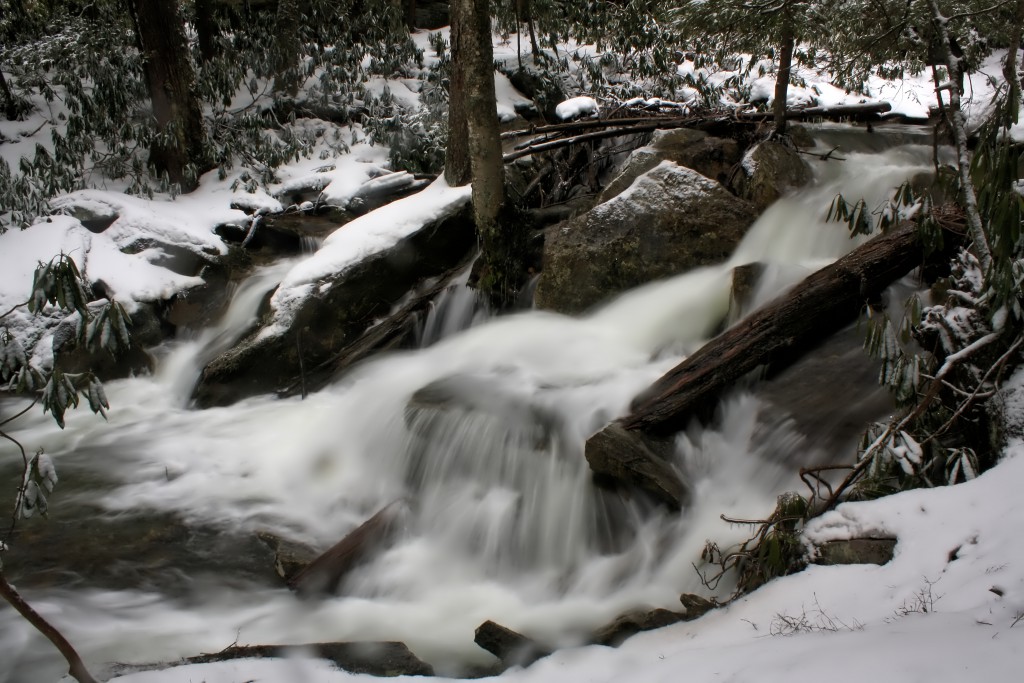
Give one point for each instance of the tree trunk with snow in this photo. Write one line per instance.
(958, 125)
(180, 150)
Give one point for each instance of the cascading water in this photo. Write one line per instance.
(480, 434)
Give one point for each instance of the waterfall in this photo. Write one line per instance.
(480, 432)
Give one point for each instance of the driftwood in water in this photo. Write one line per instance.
(323, 574)
(819, 305)
(373, 658)
(511, 647)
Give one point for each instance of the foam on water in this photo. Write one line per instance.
(502, 521)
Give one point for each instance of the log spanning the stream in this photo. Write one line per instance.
(560, 135)
(819, 305)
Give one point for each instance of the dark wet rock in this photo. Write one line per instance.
(744, 285)
(695, 606)
(546, 92)
(511, 647)
(710, 156)
(290, 557)
(374, 658)
(802, 396)
(80, 545)
(632, 460)
(856, 551)
(343, 307)
(770, 171)
(177, 258)
(69, 355)
(800, 136)
(201, 306)
(461, 394)
(93, 215)
(636, 621)
(671, 220)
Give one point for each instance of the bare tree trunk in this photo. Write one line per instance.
(180, 150)
(1010, 71)
(534, 47)
(409, 13)
(10, 106)
(958, 125)
(782, 78)
(481, 113)
(502, 239)
(206, 29)
(456, 156)
(76, 667)
(286, 48)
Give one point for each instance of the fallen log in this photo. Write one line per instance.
(562, 135)
(837, 111)
(819, 305)
(323, 574)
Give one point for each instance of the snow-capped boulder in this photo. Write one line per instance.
(769, 171)
(672, 219)
(328, 301)
(710, 156)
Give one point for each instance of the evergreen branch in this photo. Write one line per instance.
(13, 309)
(966, 15)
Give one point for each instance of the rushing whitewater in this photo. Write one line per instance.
(501, 520)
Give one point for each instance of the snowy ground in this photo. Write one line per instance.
(949, 607)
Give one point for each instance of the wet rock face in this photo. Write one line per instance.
(671, 220)
(769, 171)
(344, 306)
(147, 330)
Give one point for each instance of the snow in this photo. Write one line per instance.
(577, 106)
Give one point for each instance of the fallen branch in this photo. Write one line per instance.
(76, 667)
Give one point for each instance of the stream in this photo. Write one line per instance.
(150, 552)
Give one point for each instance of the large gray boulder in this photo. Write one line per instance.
(710, 156)
(770, 171)
(672, 219)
